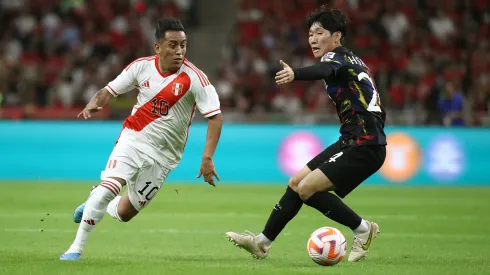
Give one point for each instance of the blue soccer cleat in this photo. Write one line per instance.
(70, 256)
(77, 216)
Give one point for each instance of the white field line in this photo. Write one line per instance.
(198, 215)
(222, 233)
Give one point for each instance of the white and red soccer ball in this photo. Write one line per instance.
(327, 246)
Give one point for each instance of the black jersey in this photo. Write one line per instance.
(354, 93)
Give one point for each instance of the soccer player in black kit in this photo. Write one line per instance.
(340, 168)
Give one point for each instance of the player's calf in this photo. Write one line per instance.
(93, 212)
(314, 191)
(77, 216)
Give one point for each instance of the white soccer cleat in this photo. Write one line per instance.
(362, 242)
(250, 242)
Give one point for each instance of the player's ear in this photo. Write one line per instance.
(157, 48)
(338, 36)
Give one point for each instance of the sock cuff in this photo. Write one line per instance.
(112, 185)
(114, 204)
(290, 193)
(116, 214)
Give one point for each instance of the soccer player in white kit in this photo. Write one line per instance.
(153, 137)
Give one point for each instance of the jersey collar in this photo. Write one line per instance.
(160, 72)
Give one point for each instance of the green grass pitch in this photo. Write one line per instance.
(423, 231)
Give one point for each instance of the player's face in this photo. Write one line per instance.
(171, 50)
(322, 41)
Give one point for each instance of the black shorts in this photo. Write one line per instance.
(348, 166)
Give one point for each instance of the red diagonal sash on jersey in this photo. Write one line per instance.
(174, 91)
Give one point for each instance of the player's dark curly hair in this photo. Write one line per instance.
(167, 24)
(333, 20)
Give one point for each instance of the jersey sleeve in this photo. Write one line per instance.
(124, 82)
(207, 99)
(333, 59)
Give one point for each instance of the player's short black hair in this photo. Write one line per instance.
(333, 20)
(167, 24)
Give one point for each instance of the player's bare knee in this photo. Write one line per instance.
(293, 184)
(305, 191)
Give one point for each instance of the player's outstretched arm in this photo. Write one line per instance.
(98, 101)
(214, 132)
(318, 71)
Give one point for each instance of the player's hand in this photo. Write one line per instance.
(89, 109)
(207, 169)
(286, 75)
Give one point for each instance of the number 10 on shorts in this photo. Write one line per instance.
(149, 193)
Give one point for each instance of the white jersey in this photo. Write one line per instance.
(159, 122)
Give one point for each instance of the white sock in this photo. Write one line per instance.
(95, 209)
(112, 208)
(362, 228)
(264, 240)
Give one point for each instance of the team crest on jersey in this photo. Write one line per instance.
(177, 88)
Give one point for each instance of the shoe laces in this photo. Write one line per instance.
(249, 233)
(357, 243)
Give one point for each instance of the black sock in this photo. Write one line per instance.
(334, 208)
(283, 212)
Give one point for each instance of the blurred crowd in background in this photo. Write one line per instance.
(430, 59)
(56, 54)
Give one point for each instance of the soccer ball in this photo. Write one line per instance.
(327, 246)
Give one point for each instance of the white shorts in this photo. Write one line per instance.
(143, 175)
